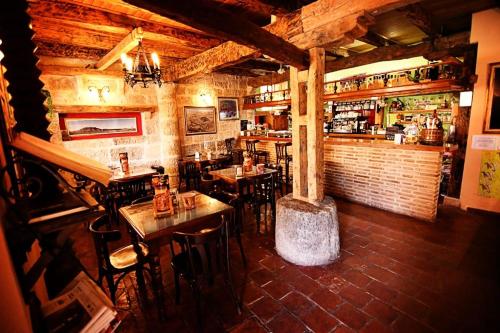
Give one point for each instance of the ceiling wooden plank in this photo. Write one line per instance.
(127, 44)
(420, 18)
(69, 12)
(68, 51)
(220, 22)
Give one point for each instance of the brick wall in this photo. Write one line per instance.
(398, 180)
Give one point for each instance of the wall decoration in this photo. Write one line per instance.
(492, 123)
(228, 108)
(79, 126)
(489, 175)
(200, 120)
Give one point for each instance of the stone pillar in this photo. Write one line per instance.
(170, 150)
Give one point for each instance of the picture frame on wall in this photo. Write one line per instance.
(492, 119)
(200, 120)
(228, 108)
(93, 125)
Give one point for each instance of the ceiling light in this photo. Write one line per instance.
(139, 71)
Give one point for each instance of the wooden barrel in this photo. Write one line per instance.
(433, 137)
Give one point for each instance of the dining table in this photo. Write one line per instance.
(204, 161)
(156, 231)
(240, 183)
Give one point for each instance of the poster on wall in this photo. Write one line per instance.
(228, 108)
(79, 126)
(492, 123)
(489, 175)
(200, 120)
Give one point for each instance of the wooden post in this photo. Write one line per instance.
(307, 128)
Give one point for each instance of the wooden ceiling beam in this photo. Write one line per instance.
(375, 39)
(441, 47)
(52, 49)
(209, 17)
(128, 43)
(73, 13)
(420, 18)
(323, 23)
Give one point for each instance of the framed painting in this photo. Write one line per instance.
(492, 120)
(228, 108)
(200, 120)
(81, 126)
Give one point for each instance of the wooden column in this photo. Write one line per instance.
(307, 128)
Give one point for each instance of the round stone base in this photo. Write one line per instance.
(307, 234)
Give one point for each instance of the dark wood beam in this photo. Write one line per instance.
(454, 45)
(420, 18)
(53, 49)
(73, 14)
(220, 22)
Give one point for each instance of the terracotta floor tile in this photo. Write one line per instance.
(297, 303)
(305, 285)
(333, 281)
(343, 329)
(357, 278)
(265, 308)
(249, 293)
(410, 306)
(380, 291)
(286, 323)
(351, 317)
(355, 295)
(262, 276)
(273, 263)
(381, 311)
(376, 327)
(319, 321)
(277, 288)
(408, 325)
(250, 325)
(326, 299)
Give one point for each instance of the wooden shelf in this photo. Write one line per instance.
(264, 104)
(438, 86)
(420, 111)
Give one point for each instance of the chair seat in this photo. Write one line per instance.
(126, 256)
(180, 263)
(261, 152)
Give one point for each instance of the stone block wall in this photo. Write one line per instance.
(204, 91)
(399, 180)
(74, 91)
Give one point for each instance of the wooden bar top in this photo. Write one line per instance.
(359, 140)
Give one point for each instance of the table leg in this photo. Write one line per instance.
(156, 280)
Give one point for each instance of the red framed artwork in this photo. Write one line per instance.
(82, 126)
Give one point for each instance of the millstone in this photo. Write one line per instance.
(307, 234)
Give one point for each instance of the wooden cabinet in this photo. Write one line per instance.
(279, 123)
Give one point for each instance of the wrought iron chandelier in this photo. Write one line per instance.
(139, 70)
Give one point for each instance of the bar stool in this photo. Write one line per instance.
(282, 156)
(256, 154)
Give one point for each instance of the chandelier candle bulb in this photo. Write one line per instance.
(156, 60)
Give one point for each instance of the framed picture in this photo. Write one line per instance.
(80, 126)
(492, 123)
(200, 120)
(228, 108)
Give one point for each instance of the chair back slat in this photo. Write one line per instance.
(102, 237)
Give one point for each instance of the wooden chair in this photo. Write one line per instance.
(234, 200)
(143, 199)
(278, 177)
(256, 154)
(236, 154)
(202, 256)
(263, 194)
(283, 157)
(192, 175)
(118, 262)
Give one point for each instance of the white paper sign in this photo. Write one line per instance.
(485, 142)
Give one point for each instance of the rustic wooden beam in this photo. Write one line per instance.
(79, 14)
(53, 49)
(220, 22)
(326, 23)
(418, 16)
(453, 45)
(127, 44)
(72, 71)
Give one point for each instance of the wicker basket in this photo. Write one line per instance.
(433, 137)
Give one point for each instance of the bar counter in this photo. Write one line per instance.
(402, 178)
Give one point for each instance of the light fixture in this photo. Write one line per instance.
(101, 93)
(139, 71)
(281, 70)
(465, 98)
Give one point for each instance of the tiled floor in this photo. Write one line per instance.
(395, 274)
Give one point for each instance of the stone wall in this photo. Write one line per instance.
(74, 91)
(204, 91)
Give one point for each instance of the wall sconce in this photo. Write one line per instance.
(99, 93)
(205, 98)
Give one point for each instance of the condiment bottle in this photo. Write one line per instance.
(124, 162)
(162, 200)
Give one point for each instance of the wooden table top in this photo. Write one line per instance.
(229, 174)
(141, 216)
